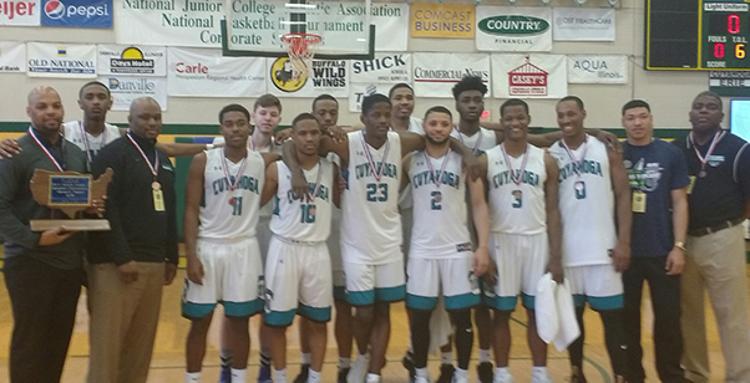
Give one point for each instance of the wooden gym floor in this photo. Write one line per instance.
(168, 363)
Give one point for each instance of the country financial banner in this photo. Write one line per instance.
(206, 73)
(529, 76)
(514, 29)
(12, 57)
(386, 68)
(125, 89)
(436, 73)
(77, 13)
(598, 69)
(61, 60)
(442, 20)
(132, 60)
(583, 24)
(325, 76)
(23, 13)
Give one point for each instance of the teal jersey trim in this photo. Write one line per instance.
(462, 301)
(317, 314)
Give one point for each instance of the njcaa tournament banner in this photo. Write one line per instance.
(597, 69)
(189, 23)
(12, 57)
(514, 29)
(391, 26)
(436, 73)
(125, 89)
(532, 76)
(132, 60)
(61, 60)
(583, 24)
(326, 76)
(23, 13)
(206, 73)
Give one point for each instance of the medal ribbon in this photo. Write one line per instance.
(225, 168)
(379, 174)
(153, 168)
(85, 139)
(436, 177)
(517, 179)
(714, 141)
(46, 152)
(572, 156)
(475, 149)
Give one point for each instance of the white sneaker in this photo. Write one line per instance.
(359, 369)
(540, 377)
(422, 379)
(459, 379)
(373, 378)
(503, 377)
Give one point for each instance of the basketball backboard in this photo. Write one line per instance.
(256, 27)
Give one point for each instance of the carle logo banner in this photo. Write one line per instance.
(77, 13)
(513, 25)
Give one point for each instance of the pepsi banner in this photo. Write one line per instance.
(77, 13)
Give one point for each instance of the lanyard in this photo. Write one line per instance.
(436, 177)
(225, 168)
(153, 168)
(573, 158)
(46, 152)
(703, 160)
(475, 149)
(519, 176)
(379, 173)
(85, 139)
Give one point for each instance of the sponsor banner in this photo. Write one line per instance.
(61, 60)
(326, 76)
(12, 57)
(206, 73)
(595, 69)
(125, 89)
(20, 13)
(192, 23)
(729, 83)
(392, 26)
(130, 60)
(583, 24)
(358, 91)
(77, 13)
(387, 68)
(441, 20)
(533, 76)
(436, 73)
(514, 29)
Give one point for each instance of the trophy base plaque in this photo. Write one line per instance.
(70, 224)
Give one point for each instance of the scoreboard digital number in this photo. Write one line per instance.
(697, 35)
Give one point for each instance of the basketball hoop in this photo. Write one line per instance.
(301, 49)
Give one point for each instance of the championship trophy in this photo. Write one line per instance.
(71, 193)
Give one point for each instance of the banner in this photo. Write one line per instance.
(129, 60)
(12, 57)
(514, 29)
(23, 13)
(387, 68)
(61, 60)
(534, 76)
(584, 24)
(595, 69)
(391, 26)
(729, 83)
(441, 20)
(126, 89)
(77, 13)
(358, 91)
(206, 73)
(326, 76)
(436, 73)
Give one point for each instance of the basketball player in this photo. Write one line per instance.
(522, 182)
(371, 226)
(298, 268)
(440, 256)
(402, 98)
(594, 192)
(224, 264)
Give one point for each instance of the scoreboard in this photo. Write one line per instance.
(697, 35)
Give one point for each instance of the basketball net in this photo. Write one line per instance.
(301, 48)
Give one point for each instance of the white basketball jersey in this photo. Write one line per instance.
(415, 126)
(480, 142)
(370, 219)
(517, 200)
(587, 203)
(440, 228)
(405, 199)
(91, 145)
(300, 219)
(226, 213)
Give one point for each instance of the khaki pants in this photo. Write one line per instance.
(123, 322)
(716, 262)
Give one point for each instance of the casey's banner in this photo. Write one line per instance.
(514, 29)
(533, 76)
(436, 73)
(206, 73)
(441, 20)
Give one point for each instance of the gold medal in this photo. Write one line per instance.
(155, 185)
(158, 200)
(639, 202)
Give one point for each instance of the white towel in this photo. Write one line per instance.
(566, 318)
(441, 327)
(555, 313)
